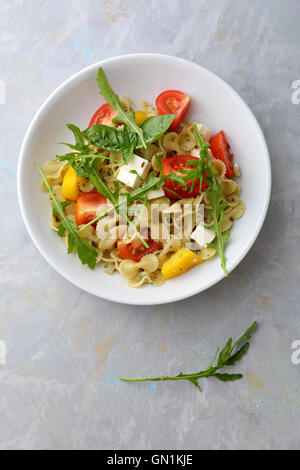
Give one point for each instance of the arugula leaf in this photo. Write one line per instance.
(87, 254)
(203, 147)
(238, 355)
(114, 101)
(79, 138)
(204, 170)
(226, 357)
(225, 353)
(227, 377)
(247, 334)
(87, 167)
(214, 195)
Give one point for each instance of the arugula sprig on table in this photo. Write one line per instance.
(228, 356)
(87, 254)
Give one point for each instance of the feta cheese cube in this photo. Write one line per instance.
(202, 235)
(140, 165)
(155, 194)
(130, 179)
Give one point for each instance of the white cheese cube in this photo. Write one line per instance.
(204, 131)
(155, 194)
(202, 235)
(130, 179)
(140, 165)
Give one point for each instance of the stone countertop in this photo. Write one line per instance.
(65, 349)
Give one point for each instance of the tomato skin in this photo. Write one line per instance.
(103, 115)
(88, 206)
(172, 165)
(173, 102)
(221, 150)
(135, 250)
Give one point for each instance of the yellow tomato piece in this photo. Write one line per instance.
(70, 185)
(140, 117)
(180, 262)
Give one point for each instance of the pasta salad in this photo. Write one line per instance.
(143, 192)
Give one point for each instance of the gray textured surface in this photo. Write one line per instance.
(65, 348)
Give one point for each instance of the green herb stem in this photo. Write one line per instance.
(226, 357)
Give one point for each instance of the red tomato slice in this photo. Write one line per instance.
(173, 165)
(173, 102)
(103, 115)
(88, 206)
(135, 249)
(221, 150)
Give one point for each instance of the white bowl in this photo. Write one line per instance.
(143, 77)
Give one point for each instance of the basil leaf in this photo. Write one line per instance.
(129, 142)
(154, 127)
(114, 101)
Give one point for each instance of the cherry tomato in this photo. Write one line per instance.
(88, 206)
(221, 150)
(103, 115)
(173, 165)
(135, 249)
(173, 102)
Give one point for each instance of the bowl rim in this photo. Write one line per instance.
(21, 162)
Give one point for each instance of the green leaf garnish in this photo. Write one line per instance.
(86, 166)
(112, 98)
(155, 126)
(87, 254)
(106, 137)
(204, 171)
(227, 357)
(125, 140)
(214, 195)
